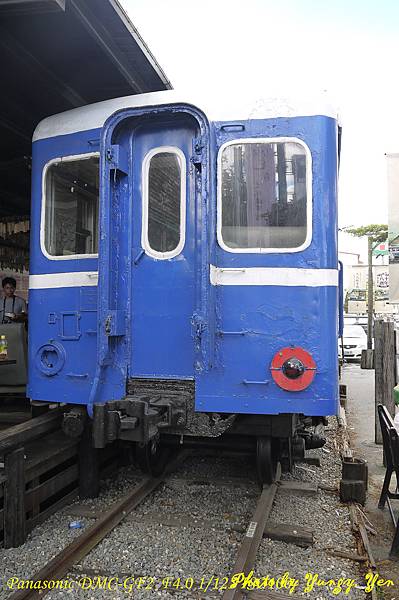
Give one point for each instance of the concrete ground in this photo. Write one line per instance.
(361, 424)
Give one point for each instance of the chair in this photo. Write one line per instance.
(390, 440)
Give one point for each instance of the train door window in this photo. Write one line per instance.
(70, 208)
(164, 202)
(264, 195)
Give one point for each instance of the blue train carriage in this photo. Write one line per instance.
(184, 274)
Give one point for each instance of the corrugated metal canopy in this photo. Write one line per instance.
(57, 55)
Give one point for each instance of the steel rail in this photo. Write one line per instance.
(253, 537)
(57, 567)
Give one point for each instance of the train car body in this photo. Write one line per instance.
(184, 262)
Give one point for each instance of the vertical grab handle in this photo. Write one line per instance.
(113, 273)
(111, 265)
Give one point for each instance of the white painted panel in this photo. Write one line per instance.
(274, 276)
(61, 280)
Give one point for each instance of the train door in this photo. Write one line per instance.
(150, 253)
(163, 246)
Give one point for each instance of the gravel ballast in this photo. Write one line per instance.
(204, 533)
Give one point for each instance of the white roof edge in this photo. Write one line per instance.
(93, 116)
(121, 12)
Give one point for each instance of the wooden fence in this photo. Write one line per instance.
(42, 471)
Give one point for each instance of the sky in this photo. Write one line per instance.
(345, 50)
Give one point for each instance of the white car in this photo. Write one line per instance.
(355, 340)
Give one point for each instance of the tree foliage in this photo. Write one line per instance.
(377, 232)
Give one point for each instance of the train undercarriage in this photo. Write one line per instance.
(161, 418)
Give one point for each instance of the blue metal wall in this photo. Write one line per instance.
(64, 316)
(271, 316)
(274, 316)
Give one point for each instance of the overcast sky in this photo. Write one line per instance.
(347, 49)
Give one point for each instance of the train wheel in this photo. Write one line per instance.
(152, 458)
(266, 459)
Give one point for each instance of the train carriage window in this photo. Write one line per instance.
(71, 207)
(264, 196)
(164, 202)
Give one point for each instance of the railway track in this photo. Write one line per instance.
(187, 506)
(65, 561)
(129, 512)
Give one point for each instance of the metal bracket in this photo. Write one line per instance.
(198, 145)
(117, 159)
(115, 323)
(137, 418)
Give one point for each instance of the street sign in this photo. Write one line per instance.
(381, 249)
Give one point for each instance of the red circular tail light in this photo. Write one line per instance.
(293, 369)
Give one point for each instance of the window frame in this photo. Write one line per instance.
(309, 196)
(61, 159)
(145, 202)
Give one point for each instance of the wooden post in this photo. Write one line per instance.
(389, 366)
(367, 359)
(378, 373)
(14, 499)
(89, 474)
(385, 370)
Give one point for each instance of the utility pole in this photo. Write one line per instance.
(370, 295)
(375, 233)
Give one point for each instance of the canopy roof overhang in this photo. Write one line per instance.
(57, 55)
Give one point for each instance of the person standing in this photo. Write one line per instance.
(12, 308)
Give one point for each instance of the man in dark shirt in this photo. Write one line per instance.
(12, 307)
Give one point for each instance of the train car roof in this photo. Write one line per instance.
(228, 108)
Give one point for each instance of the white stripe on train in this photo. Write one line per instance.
(274, 276)
(218, 276)
(61, 280)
